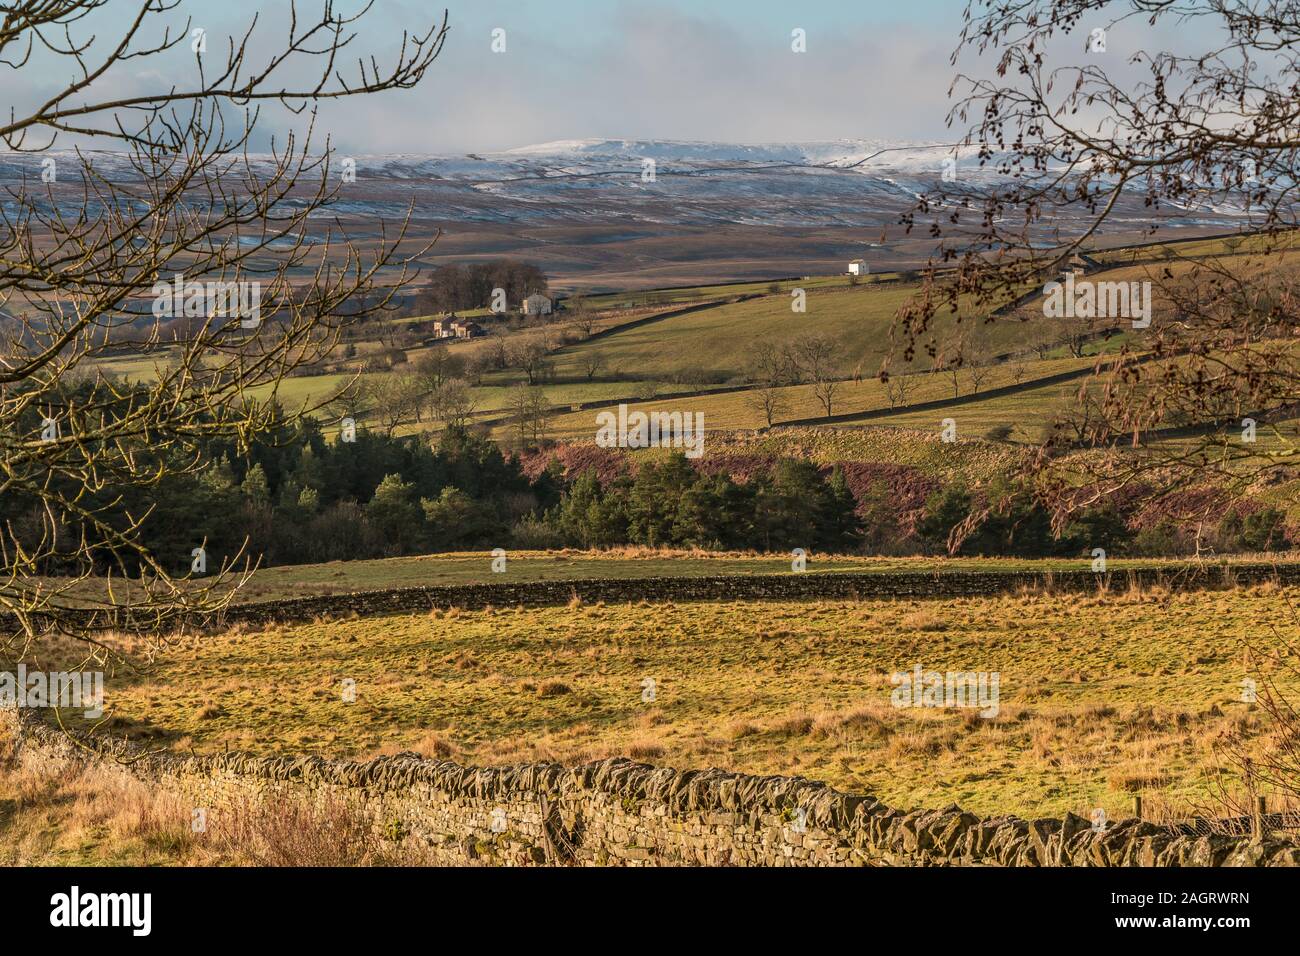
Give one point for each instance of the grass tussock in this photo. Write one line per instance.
(924, 620)
(645, 749)
(553, 688)
(796, 725)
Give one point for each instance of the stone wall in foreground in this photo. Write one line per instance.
(619, 813)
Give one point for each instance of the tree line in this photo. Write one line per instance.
(453, 287)
(296, 496)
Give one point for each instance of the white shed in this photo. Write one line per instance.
(858, 267)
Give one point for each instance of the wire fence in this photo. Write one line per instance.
(1240, 826)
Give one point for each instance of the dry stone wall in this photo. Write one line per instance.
(827, 585)
(792, 586)
(619, 813)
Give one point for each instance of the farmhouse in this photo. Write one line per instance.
(454, 327)
(536, 304)
(467, 329)
(858, 267)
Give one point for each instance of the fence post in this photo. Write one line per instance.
(1261, 805)
(1137, 805)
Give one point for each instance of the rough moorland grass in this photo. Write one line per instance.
(97, 817)
(92, 818)
(1100, 695)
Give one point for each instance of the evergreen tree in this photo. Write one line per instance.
(395, 516)
(944, 510)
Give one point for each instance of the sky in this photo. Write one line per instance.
(704, 69)
(719, 70)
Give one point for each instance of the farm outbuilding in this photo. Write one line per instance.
(537, 304)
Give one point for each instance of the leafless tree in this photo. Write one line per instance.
(477, 364)
(898, 387)
(979, 358)
(91, 254)
(453, 403)
(816, 357)
(497, 349)
(432, 372)
(1080, 421)
(1042, 341)
(438, 367)
(584, 317)
(530, 412)
(647, 390)
(948, 360)
(768, 367)
(1076, 331)
(393, 399)
(533, 356)
(1083, 138)
(592, 362)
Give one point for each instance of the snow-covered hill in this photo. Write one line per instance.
(853, 183)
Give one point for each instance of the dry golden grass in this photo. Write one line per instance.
(1101, 695)
(91, 816)
(94, 816)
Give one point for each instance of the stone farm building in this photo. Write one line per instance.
(456, 328)
(537, 304)
(858, 267)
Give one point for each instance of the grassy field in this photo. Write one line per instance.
(475, 567)
(716, 340)
(1100, 696)
(494, 400)
(861, 319)
(688, 294)
(93, 816)
(339, 577)
(1201, 248)
(711, 345)
(1030, 411)
(1027, 412)
(737, 410)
